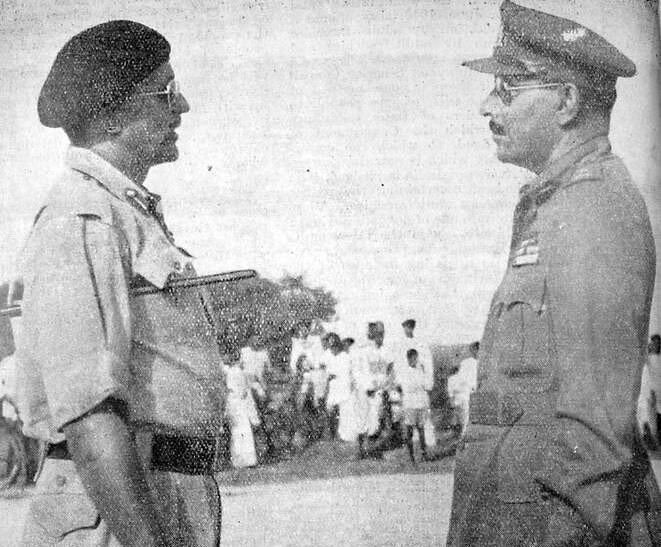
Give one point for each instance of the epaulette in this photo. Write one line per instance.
(82, 198)
(584, 174)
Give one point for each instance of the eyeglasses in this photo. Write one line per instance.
(172, 91)
(504, 91)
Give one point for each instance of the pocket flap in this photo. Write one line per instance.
(522, 286)
(61, 514)
(159, 260)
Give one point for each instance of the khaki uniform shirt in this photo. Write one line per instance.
(86, 337)
(83, 336)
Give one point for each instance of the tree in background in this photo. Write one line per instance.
(273, 310)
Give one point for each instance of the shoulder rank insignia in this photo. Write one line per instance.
(138, 201)
(527, 253)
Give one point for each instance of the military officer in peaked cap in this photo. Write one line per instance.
(132, 430)
(552, 455)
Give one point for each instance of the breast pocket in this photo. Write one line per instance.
(522, 347)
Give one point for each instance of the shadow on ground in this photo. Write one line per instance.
(330, 460)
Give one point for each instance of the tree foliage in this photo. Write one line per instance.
(271, 310)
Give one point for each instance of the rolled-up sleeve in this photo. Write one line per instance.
(77, 312)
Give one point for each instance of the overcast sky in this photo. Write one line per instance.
(336, 139)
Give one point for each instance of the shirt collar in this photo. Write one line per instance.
(562, 168)
(109, 177)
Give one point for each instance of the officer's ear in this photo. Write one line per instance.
(569, 105)
(104, 127)
(112, 125)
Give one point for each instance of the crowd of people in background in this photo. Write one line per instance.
(374, 395)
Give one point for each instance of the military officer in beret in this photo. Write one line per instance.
(552, 455)
(132, 428)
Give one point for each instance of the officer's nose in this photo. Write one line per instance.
(181, 105)
(489, 104)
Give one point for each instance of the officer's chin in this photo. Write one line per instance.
(168, 153)
(505, 156)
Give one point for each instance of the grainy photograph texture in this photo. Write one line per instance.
(318, 273)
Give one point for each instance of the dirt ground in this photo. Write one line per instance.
(410, 507)
(364, 511)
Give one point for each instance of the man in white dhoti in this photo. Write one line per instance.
(339, 401)
(241, 413)
(372, 375)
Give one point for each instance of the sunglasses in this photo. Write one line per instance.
(172, 91)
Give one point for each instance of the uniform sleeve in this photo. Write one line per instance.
(599, 287)
(79, 309)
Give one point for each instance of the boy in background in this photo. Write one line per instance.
(414, 385)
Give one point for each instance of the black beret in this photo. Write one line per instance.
(533, 42)
(97, 69)
(409, 323)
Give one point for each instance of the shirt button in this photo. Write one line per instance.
(60, 481)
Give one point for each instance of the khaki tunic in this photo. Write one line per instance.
(84, 339)
(552, 455)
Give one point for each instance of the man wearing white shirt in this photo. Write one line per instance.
(411, 341)
(408, 341)
(255, 360)
(372, 373)
(414, 387)
(462, 384)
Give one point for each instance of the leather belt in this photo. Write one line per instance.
(175, 454)
(494, 408)
(58, 451)
(190, 455)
